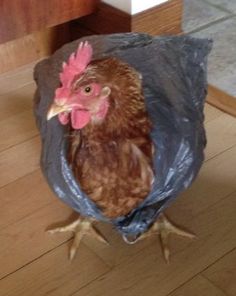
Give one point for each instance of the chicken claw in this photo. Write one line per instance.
(80, 227)
(164, 227)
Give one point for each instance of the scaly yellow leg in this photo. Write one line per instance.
(80, 228)
(164, 228)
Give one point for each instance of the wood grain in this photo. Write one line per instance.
(105, 20)
(198, 286)
(223, 273)
(15, 79)
(19, 160)
(16, 101)
(26, 240)
(54, 275)
(163, 19)
(17, 129)
(211, 113)
(32, 47)
(38, 28)
(19, 18)
(23, 197)
(16, 116)
(220, 140)
(221, 100)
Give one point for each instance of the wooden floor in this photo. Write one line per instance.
(34, 263)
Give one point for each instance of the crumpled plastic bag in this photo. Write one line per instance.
(174, 83)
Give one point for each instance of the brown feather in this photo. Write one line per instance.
(112, 160)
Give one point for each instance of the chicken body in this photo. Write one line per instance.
(112, 158)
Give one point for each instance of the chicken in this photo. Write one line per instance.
(111, 149)
(113, 152)
(123, 147)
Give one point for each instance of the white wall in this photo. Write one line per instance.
(141, 5)
(134, 6)
(124, 5)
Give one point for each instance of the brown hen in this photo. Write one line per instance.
(112, 159)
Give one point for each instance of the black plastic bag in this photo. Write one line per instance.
(174, 82)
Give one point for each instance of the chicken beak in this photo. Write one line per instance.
(55, 109)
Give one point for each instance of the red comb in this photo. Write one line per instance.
(76, 64)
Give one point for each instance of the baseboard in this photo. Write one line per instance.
(162, 19)
(33, 29)
(221, 100)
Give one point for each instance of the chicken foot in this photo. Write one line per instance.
(164, 228)
(80, 228)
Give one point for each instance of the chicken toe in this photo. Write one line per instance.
(80, 228)
(164, 228)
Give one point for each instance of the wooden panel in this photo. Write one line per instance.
(198, 286)
(223, 273)
(221, 100)
(105, 20)
(165, 18)
(21, 17)
(161, 19)
(32, 47)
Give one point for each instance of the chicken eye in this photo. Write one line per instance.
(87, 89)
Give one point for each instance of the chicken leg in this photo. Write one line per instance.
(80, 227)
(164, 228)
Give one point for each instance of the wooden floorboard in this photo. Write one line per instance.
(19, 160)
(24, 196)
(34, 263)
(198, 286)
(16, 101)
(220, 139)
(211, 113)
(53, 274)
(17, 129)
(12, 80)
(223, 273)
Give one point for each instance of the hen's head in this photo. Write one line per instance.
(81, 97)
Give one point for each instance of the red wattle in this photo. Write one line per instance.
(80, 118)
